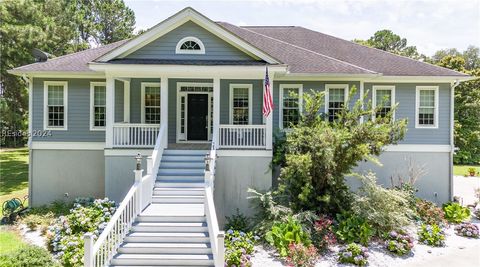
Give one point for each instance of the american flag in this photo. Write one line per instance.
(267, 97)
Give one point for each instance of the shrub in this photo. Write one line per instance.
(33, 221)
(323, 235)
(353, 229)
(467, 230)
(300, 255)
(268, 211)
(354, 254)
(429, 213)
(284, 233)
(31, 256)
(319, 154)
(238, 221)
(65, 235)
(239, 247)
(455, 213)
(432, 235)
(384, 209)
(399, 243)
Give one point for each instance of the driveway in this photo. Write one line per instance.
(464, 187)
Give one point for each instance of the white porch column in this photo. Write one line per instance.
(269, 119)
(164, 107)
(126, 100)
(216, 106)
(110, 112)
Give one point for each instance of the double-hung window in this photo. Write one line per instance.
(151, 103)
(383, 99)
(97, 106)
(241, 104)
(426, 107)
(336, 98)
(55, 108)
(290, 104)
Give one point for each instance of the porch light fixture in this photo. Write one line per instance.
(138, 159)
(207, 161)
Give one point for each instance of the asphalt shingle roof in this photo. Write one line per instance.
(303, 50)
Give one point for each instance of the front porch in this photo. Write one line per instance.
(194, 112)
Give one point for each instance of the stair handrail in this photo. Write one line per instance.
(217, 237)
(101, 251)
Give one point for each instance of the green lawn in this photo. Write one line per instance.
(9, 240)
(462, 170)
(13, 173)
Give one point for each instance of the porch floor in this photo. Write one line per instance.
(190, 146)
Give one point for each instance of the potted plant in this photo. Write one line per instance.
(471, 171)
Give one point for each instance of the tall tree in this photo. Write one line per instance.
(114, 21)
(388, 41)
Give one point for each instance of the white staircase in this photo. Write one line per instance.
(173, 229)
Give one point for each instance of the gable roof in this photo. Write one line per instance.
(303, 50)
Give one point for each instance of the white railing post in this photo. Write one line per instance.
(220, 260)
(149, 165)
(88, 246)
(138, 181)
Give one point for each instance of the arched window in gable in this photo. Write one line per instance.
(190, 45)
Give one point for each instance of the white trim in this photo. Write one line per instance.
(65, 105)
(362, 98)
(128, 152)
(368, 78)
(244, 153)
(250, 100)
(187, 14)
(327, 92)
(392, 94)
(183, 138)
(417, 106)
(92, 100)
(418, 148)
(30, 111)
(142, 97)
(178, 49)
(68, 145)
(280, 101)
(110, 112)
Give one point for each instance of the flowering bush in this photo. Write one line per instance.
(354, 254)
(65, 235)
(432, 235)
(399, 243)
(323, 235)
(239, 248)
(300, 255)
(429, 213)
(467, 230)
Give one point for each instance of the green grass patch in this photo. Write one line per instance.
(462, 170)
(10, 240)
(13, 173)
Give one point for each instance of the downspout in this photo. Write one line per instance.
(29, 82)
(452, 129)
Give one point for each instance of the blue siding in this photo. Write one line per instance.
(257, 100)
(119, 101)
(405, 97)
(78, 122)
(164, 46)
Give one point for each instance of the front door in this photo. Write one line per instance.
(197, 117)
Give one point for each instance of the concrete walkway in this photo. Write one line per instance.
(464, 187)
(467, 257)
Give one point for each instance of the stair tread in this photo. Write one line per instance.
(165, 245)
(177, 181)
(164, 256)
(179, 189)
(178, 196)
(185, 224)
(168, 234)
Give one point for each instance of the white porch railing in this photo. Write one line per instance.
(135, 134)
(217, 237)
(242, 136)
(101, 251)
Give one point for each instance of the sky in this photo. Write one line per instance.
(430, 25)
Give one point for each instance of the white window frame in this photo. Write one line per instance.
(143, 85)
(92, 105)
(280, 101)
(327, 94)
(250, 100)
(193, 39)
(65, 105)
(417, 107)
(374, 97)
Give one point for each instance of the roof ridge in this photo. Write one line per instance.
(268, 26)
(314, 52)
(380, 50)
